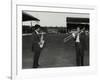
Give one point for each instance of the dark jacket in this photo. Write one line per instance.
(83, 40)
(35, 41)
(82, 44)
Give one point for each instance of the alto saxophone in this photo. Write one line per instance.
(41, 43)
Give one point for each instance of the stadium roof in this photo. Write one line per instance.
(71, 20)
(27, 17)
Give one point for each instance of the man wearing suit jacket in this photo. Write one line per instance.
(35, 46)
(80, 46)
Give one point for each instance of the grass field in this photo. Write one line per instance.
(56, 53)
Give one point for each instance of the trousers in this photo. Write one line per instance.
(36, 59)
(79, 54)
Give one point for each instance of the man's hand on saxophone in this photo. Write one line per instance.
(41, 43)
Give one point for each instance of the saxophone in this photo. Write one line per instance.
(41, 43)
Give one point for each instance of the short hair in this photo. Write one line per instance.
(36, 26)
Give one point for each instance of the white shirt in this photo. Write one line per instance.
(77, 38)
(36, 32)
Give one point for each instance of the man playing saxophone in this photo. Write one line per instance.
(37, 45)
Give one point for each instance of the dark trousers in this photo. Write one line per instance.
(79, 54)
(36, 59)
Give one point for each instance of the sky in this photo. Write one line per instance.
(52, 19)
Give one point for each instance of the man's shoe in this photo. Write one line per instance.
(35, 67)
(38, 65)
